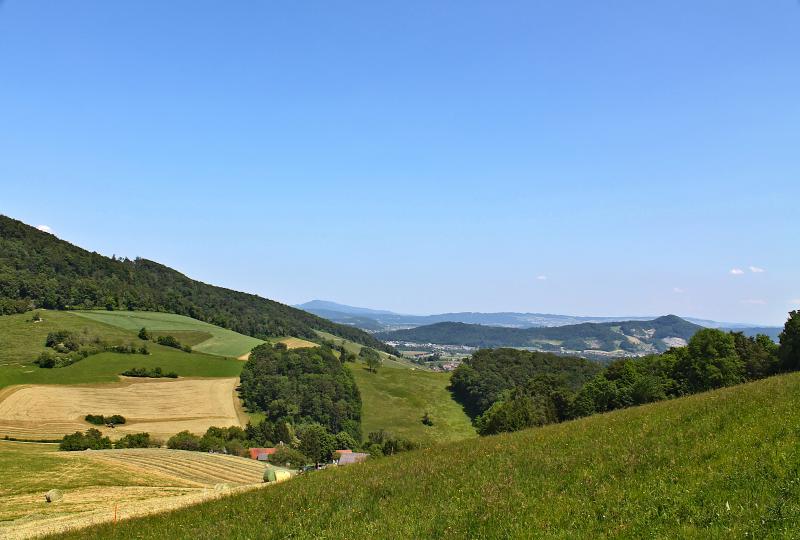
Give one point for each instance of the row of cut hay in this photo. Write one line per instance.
(198, 467)
(197, 471)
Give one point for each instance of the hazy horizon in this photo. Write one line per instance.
(554, 158)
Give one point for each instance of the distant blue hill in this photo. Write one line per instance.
(377, 320)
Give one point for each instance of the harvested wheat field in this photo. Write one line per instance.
(99, 486)
(159, 407)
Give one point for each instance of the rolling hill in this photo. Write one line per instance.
(38, 270)
(719, 464)
(632, 337)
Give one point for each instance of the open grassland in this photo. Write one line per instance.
(355, 348)
(724, 464)
(202, 336)
(21, 342)
(395, 399)
(161, 407)
(98, 484)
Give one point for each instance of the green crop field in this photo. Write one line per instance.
(723, 464)
(395, 399)
(202, 336)
(21, 341)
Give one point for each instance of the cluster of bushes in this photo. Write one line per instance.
(167, 341)
(68, 347)
(302, 386)
(92, 439)
(155, 373)
(230, 440)
(318, 445)
(383, 443)
(137, 440)
(712, 359)
(100, 420)
(170, 341)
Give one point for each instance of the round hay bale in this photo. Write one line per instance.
(281, 476)
(53, 495)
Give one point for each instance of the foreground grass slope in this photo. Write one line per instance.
(21, 342)
(720, 464)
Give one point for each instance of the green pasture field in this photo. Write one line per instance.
(22, 340)
(218, 341)
(722, 464)
(395, 399)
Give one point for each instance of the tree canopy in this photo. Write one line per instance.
(302, 386)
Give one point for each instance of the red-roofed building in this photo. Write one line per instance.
(261, 454)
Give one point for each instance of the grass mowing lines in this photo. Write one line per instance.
(222, 342)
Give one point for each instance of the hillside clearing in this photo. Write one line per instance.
(98, 484)
(202, 336)
(720, 464)
(395, 399)
(159, 407)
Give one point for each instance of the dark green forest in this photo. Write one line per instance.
(488, 374)
(600, 336)
(37, 270)
(507, 390)
(301, 386)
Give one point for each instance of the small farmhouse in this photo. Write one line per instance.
(261, 454)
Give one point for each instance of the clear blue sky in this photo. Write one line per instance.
(598, 158)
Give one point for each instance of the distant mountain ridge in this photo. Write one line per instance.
(376, 320)
(619, 338)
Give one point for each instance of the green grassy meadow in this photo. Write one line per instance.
(21, 341)
(723, 464)
(395, 399)
(355, 348)
(201, 336)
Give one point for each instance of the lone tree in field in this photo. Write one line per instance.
(789, 351)
(371, 358)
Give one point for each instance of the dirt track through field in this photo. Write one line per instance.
(159, 407)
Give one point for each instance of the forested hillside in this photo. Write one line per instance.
(508, 390)
(38, 270)
(483, 378)
(642, 337)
